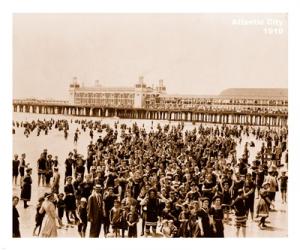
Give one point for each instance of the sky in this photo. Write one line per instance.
(199, 54)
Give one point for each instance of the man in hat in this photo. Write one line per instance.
(95, 211)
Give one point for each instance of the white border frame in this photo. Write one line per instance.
(143, 6)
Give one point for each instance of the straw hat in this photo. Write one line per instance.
(265, 183)
(97, 187)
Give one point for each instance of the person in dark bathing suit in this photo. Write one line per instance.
(15, 170)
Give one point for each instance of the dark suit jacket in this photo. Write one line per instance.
(16, 229)
(95, 208)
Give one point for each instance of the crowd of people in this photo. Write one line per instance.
(171, 181)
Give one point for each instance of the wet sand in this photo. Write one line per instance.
(57, 145)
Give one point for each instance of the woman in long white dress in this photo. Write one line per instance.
(50, 227)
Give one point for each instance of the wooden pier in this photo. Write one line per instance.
(248, 117)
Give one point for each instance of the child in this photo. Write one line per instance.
(123, 223)
(82, 212)
(283, 186)
(263, 205)
(61, 205)
(115, 217)
(132, 220)
(39, 217)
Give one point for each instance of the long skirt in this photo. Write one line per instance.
(262, 208)
(55, 189)
(219, 229)
(49, 229)
(26, 192)
(70, 202)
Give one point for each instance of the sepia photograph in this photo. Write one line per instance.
(153, 125)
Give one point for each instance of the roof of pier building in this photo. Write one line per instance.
(174, 96)
(106, 89)
(281, 93)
